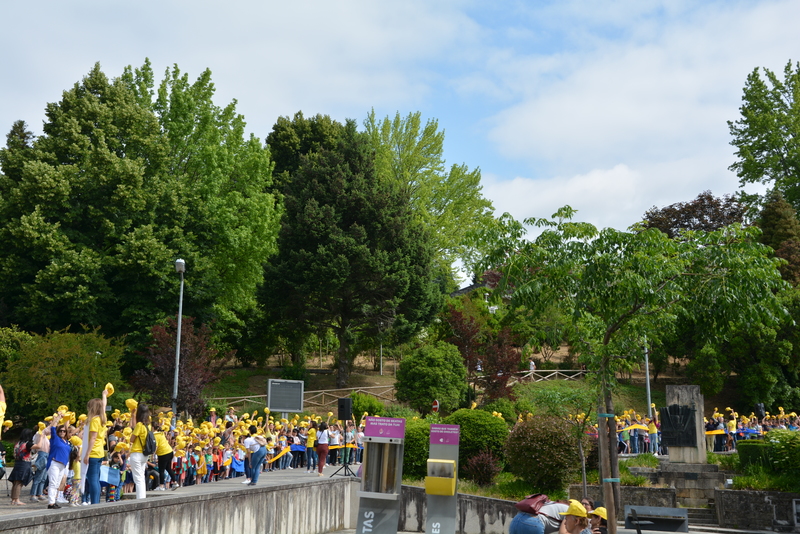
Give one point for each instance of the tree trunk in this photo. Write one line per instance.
(343, 370)
(614, 453)
(605, 461)
(583, 464)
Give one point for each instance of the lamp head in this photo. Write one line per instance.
(180, 266)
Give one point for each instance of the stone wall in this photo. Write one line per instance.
(308, 508)
(758, 510)
(476, 515)
(695, 484)
(634, 495)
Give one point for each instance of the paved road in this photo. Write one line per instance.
(275, 478)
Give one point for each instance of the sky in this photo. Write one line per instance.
(609, 107)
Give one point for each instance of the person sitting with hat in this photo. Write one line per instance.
(552, 517)
(598, 520)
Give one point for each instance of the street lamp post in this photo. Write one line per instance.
(180, 268)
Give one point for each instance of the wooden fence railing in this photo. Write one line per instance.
(324, 400)
(539, 376)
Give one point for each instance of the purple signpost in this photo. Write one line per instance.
(440, 484)
(382, 472)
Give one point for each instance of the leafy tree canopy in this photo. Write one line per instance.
(767, 134)
(68, 368)
(706, 213)
(125, 180)
(449, 201)
(622, 286)
(351, 257)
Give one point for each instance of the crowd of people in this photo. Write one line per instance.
(81, 459)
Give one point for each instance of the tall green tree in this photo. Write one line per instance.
(622, 286)
(447, 200)
(351, 257)
(95, 211)
(767, 134)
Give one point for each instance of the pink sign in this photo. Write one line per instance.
(385, 427)
(445, 434)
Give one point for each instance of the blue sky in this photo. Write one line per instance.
(611, 107)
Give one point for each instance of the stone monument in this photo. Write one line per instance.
(682, 427)
(683, 433)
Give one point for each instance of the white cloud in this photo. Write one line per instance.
(649, 97)
(614, 197)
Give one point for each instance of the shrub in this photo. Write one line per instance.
(503, 406)
(753, 452)
(642, 460)
(543, 452)
(479, 431)
(726, 462)
(483, 468)
(416, 447)
(398, 410)
(784, 451)
(296, 371)
(432, 372)
(363, 402)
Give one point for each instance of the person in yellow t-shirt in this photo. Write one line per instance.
(165, 454)
(140, 422)
(311, 451)
(311, 438)
(93, 442)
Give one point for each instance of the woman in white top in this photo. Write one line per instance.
(323, 438)
(336, 439)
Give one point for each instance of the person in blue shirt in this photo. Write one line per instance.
(57, 459)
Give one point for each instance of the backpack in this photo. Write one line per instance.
(532, 503)
(149, 444)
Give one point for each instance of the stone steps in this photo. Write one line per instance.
(702, 516)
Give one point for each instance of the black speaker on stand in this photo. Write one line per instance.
(345, 413)
(759, 411)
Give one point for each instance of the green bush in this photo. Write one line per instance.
(432, 372)
(784, 451)
(726, 462)
(363, 402)
(753, 452)
(415, 448)
(523, 406)
(398, 410)
(503, 406)
(543, 452)
(479, 431)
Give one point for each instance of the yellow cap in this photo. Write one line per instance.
(575, 508)
(131, 404)
(601, 512)
(110, 389)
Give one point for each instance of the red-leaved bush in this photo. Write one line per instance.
(200, 365)
(483, 468)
